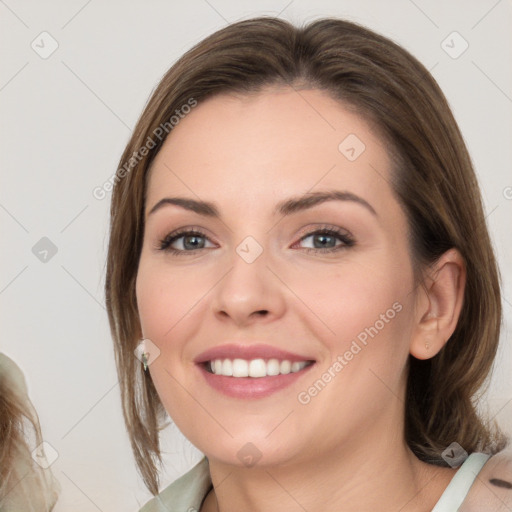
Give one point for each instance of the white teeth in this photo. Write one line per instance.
(255, 367)
(273, 367)
(296, 367)
(240, 368)
(227, 368)
(286, 367)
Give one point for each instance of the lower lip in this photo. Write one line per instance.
(251, 387)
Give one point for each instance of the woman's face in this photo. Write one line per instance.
(272, 275)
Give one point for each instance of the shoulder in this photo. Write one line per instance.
(492, 489)
(184, 494)
(11, 375)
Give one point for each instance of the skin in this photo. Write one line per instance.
(345, 449)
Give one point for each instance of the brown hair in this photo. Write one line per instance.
(23, 483)
(433, 179)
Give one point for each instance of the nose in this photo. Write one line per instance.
(249, 292)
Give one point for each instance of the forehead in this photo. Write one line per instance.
(270, 145)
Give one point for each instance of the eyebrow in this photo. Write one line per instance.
(285, 208)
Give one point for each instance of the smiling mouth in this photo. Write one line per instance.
(255, 368)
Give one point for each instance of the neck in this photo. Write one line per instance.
(365, 475)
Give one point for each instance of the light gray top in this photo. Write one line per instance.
(458, 488)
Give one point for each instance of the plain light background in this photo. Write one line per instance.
(65, 121)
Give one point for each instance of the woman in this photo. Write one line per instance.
(306, 261)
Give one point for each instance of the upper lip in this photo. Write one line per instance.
(248, 352)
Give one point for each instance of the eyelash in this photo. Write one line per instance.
(347, 239)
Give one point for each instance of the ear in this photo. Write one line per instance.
(438, 305)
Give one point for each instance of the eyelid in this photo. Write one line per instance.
(303, 233)
(344, 235)
(180, 232)
(312, 229)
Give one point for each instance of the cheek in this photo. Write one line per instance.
(365, 308)
(356, 300)
(164, 298)
(368, 310)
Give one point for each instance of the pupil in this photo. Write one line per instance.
(324, 237)
(194, 244)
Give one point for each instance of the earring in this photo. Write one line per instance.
(427, 345)
(142, 354)
(145, 360)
